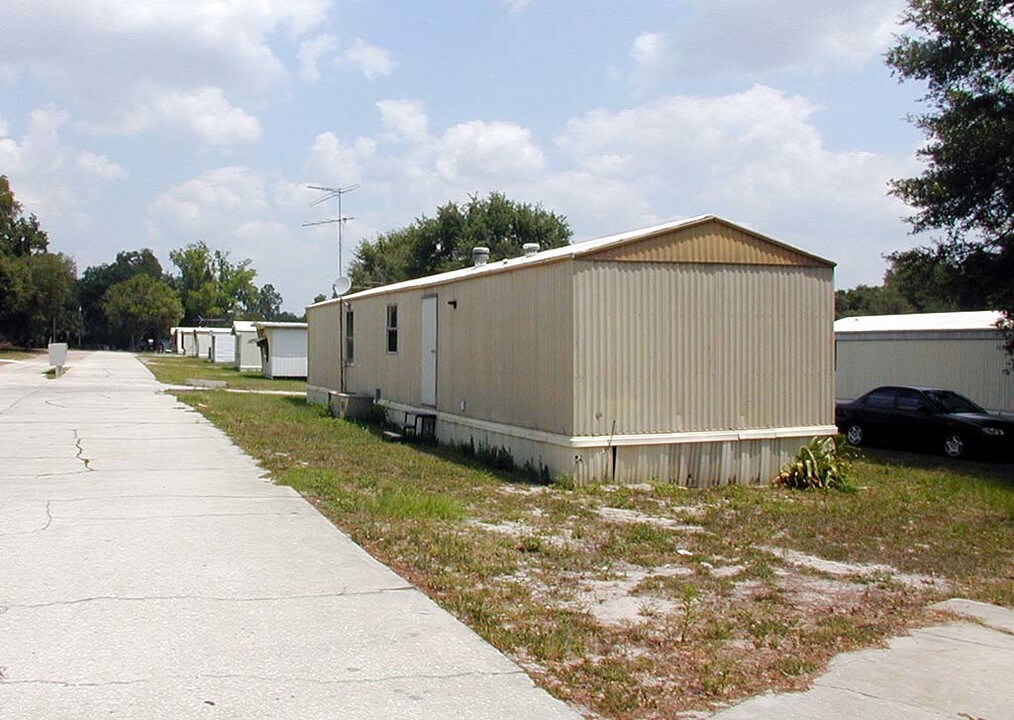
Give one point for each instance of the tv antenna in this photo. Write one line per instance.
(342, 284)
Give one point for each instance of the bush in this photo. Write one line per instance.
(823, 463)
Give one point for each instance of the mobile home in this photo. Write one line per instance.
(696, 352)
(223, 346)
(283, 349)
(960, 351)
(248, 355)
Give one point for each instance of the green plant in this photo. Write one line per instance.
(823, 464)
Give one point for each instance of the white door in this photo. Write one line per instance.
(428, 396)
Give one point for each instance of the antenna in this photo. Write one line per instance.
(338, 219)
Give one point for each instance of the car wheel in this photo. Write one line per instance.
(855, 435)
(954, 446)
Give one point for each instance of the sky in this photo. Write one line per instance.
(127, 124)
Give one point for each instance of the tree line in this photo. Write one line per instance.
(964, 53)
(118, 304)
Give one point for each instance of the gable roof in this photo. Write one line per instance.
(755, 249)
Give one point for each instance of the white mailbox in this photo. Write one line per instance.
(58, 356)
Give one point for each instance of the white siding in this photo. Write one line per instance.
(287, 352)
(970, 362)
(223, 348)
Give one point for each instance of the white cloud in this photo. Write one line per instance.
(100, 58)
(488, 149)
(405, 118)
(100, 166)
(53, 179)
(516, 6)
(210, 116)
(755, 156)
(249, 215)
(205, 112)
(372, 61)
(753, 37)
(333, 163)
(312, 52)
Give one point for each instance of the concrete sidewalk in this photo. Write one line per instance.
(945, 672)
(148, 570)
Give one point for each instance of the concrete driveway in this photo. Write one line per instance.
(149, 570)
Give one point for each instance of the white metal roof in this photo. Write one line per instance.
(573, 250)
(289, 325)
(243, 326)
(979, 320)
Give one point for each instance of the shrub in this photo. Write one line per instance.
(823, 463)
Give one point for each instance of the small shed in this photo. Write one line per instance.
(248, 355)
(959, 351)
(696, 352)
(223, 346)
(283, 349)
(183, 340)
(202, 343)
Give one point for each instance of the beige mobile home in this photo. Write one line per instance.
(959, 351)
(248, 355)
(283, 349)
(696, 352)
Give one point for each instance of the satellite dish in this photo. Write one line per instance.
(341, 286)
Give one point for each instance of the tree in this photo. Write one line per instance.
(19, 236)
(210, 286)
(36, 287)
(267, 304)
(867, 300)
(95, 282)
(964, 51)
(445, 242)
(143, 306)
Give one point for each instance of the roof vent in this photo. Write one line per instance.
(530, 249)
(480, 256)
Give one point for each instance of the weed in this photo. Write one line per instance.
(822, 464)
(688, 602)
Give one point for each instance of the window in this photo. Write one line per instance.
(350, 330)
(392, 328)
(910, 400)
(881, 398)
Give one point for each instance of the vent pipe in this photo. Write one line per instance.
(530, 249)
(480, 256)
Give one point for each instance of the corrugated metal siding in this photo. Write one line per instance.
(504, 348)
(685, 347)
(288, 352)
(248, 355)
(741, 462)
(324, 359)
(223, 348)
(709, 242)
(971, 364)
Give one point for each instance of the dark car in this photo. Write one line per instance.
(925, 417)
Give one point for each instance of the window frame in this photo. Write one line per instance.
(391, 326)
(350, 336)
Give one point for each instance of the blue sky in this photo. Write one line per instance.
(154, 124)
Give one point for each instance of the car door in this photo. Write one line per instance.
(877, 413)
(913, 418)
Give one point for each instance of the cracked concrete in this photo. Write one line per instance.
(150, 569)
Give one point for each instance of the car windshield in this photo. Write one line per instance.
(954, 403)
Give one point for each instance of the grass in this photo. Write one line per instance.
(19, 354)
(714, 612)
(176, 369)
